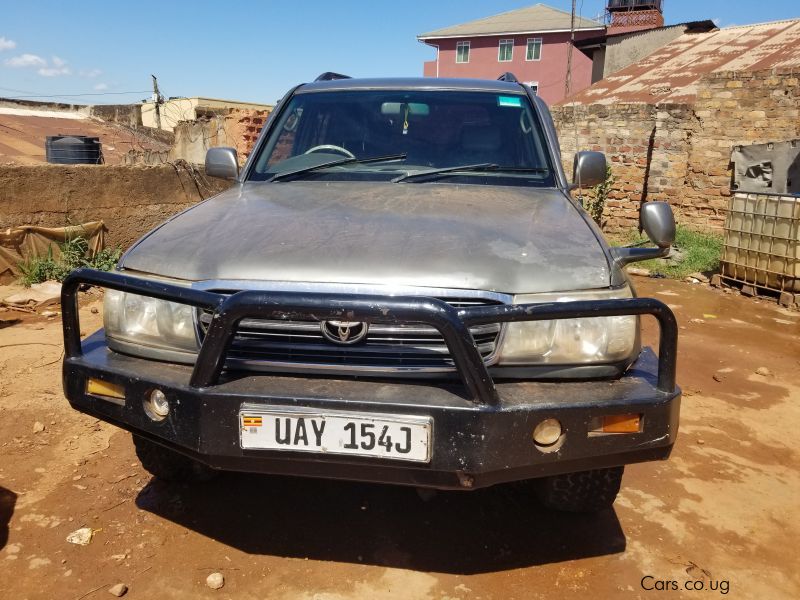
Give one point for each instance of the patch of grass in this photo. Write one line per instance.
(701, 253)
(74, 253)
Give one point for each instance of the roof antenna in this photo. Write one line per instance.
(508, 76)
(330, 76)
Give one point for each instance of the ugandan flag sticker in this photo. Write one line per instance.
(251, 421)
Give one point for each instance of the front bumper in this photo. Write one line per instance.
(482, 432)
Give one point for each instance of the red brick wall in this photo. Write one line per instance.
(735, 108)
(236, 128)
(624, 133)
(244, 126)
(681, 153)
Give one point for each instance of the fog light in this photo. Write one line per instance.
(547, 432)
(156, 405)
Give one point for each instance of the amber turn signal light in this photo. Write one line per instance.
(98, 387)
(617, 424)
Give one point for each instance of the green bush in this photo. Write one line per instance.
(74, 253)
(701, 253)
(597, 202)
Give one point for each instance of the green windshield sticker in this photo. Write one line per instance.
(509, 101)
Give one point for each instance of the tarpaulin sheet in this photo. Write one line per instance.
(21, 243)
(772, 168)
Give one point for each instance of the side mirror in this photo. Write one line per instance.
(658, 223)
(222, 162)
(589, 169)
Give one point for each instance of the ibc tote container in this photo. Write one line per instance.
(762, 241)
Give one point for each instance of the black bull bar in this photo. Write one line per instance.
(452, 323)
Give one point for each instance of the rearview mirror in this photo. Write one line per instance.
(222, 162)
(658, 223)
(417, 109)
(589, 169)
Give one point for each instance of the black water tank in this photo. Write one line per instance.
(73, 150)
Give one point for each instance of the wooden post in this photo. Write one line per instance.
(158, 101)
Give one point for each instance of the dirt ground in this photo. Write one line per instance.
(723, 510)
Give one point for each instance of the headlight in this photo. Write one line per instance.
(570, 341)
(149, 322)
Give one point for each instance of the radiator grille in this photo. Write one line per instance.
(387, 346)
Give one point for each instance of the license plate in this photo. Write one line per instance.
(329, 432)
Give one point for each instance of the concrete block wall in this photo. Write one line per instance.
(129, 200)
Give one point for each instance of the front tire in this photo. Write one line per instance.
(169, 465)
(582, 492)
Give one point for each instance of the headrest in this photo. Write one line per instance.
(480, 138)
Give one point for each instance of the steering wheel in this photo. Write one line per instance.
(331, 148)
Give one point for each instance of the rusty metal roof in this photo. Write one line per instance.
(671, 73)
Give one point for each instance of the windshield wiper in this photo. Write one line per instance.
(335, 163)
(446, 171)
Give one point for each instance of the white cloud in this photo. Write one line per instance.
(90, 73)
(54, 71)
(59, 68)
(25, 60)
(55, 68)
(7, 44)
(101, 86)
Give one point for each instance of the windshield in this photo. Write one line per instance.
(406, 136)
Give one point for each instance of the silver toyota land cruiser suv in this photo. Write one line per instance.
(399, 288)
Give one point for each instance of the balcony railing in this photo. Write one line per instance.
(620, 5)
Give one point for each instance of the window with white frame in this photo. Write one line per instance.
(505, 52)
(534, 50)
(462, 52)
(534, 85)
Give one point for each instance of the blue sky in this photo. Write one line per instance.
(252, 50)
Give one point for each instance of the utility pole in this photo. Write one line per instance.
(568, 80)
(158, 99)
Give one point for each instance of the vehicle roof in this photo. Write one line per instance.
(414, 83)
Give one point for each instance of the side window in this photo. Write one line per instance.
(462, 52)
(534, 49)
(505, 52)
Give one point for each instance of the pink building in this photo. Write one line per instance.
(532, 43)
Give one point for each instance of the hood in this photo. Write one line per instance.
(498, 238)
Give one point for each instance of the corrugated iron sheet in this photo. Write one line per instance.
(671, 74)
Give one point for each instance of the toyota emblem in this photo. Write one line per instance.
(344, 332)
